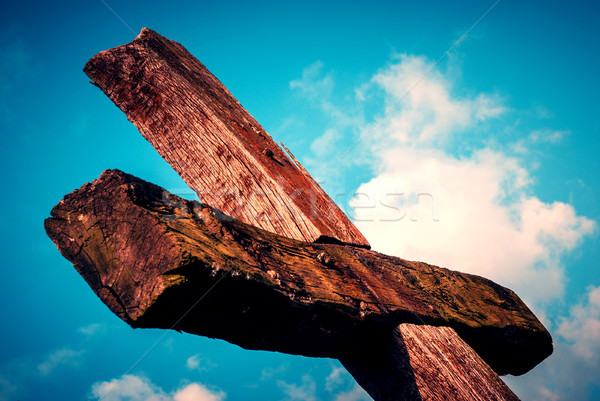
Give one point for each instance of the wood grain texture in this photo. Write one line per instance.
(214, 144)
(149, 255)
(233, 164)
(425, 363)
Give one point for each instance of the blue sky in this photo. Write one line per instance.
(488, 165)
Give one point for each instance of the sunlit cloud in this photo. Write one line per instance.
(139, 388)
(581, 329)
(442, 190)
(470, 211)
(449, 186)
(570, 372)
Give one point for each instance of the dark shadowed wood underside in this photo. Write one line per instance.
(425, 363)
(149, 254)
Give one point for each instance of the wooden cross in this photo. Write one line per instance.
(273, 263)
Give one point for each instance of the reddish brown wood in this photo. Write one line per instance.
(149, 254)
(230, 161)
(216, 146)
(426, 363)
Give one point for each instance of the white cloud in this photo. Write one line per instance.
(428, 112)
(269, 373)
(355, 394)
(20, 375)
(129, 387)
(470, 215)
(137, 388)
(197, 392)
(303, 392)
(582, 328)
(92, 329)
(452, 185)
(567, 373)
(313, 83)
(192, 362)
(342, 385)
(335, 378)
(339, 386)
(546, 135)
(327, 168)
(199, 363)
(323, 144)
(470, 211)
(59, 358)
(318, 87)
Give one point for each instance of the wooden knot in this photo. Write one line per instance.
(323, 258)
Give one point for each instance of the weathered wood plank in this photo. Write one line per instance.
(425, 363)
(216, 146)
(230, 161)
(149, 255)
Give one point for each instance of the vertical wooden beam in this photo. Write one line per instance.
(425, 363)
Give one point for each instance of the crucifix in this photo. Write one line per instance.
(268, 261)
